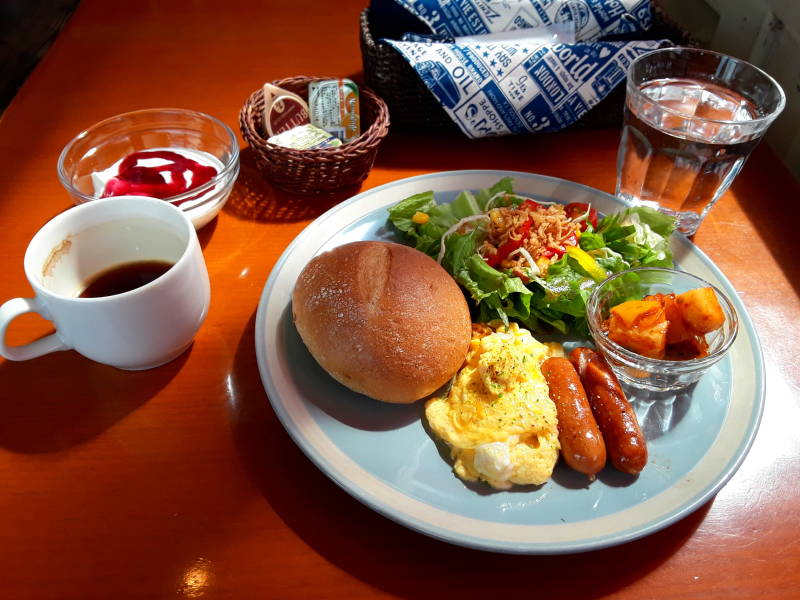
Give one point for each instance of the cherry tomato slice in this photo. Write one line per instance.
(508, 247)
(532, 204)
(578, 209)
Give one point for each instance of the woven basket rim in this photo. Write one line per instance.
(368, 137)
(315, 170)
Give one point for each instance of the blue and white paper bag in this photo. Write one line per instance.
(531, 82)
(589, 19)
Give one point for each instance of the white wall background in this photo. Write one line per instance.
(763, 32)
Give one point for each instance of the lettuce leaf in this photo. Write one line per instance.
(426, 237)
(639, 234)
(498, 295)
(505, 185)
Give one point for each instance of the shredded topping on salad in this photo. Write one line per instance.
(542, 231)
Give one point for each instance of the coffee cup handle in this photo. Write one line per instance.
(10, 311)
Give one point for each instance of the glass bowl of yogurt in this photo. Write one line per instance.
(184, 157)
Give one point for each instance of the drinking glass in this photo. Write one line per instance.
(692, 117)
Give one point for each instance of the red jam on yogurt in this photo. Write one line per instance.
(158, 174)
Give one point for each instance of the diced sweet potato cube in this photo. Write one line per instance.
(701, 310)
(638, 313)
(648, 333)
(677, 331)
(648, 341)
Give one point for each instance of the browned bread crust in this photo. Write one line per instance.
(383, 319)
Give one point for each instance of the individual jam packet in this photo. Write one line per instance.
(283, 110)
(334, 107)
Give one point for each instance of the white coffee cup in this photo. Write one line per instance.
(137, 329)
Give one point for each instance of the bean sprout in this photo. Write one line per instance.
(527, 256)
(584, 216)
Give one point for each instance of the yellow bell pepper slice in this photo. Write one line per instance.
(587, 262)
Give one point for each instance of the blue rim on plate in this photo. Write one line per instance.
(383, 456)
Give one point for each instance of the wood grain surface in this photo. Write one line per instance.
(181, 482)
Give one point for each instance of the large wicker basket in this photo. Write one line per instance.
(319, 171)
(413, 106)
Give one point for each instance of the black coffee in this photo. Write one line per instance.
(124, 278)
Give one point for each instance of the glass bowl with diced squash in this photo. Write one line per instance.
(660, 329)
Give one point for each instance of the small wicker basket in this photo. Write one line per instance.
(318, 171)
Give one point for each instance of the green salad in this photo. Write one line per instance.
(495, 245)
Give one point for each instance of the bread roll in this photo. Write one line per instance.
(383, 319)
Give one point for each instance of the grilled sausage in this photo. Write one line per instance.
(625, 443)
(582, 444)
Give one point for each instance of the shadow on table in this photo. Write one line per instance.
(254, 199)
(66, 399)
(397, 560)
(433, 151)
(770, 203)
(206, 232)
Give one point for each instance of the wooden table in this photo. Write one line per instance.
(181, 482)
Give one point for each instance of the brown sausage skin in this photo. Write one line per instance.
(624, 440)
(582, 444)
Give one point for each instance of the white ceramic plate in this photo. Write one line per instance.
(383, 456)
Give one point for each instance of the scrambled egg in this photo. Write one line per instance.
(497, 418)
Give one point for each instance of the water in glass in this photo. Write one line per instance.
(682, 145)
